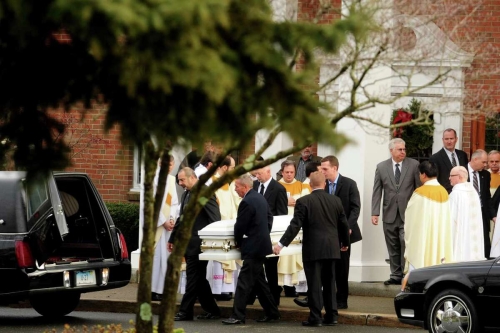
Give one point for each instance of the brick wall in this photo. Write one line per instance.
(101, 155)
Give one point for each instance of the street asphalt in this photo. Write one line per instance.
(370, 304)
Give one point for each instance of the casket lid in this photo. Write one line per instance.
(226, 227)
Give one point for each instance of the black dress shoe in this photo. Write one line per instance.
(311, 324)
(181, 316)
(341, 305)
(302, 302)
(232, 321)
(156, 297)
(392, 282)
(330, 322)
(267, 319)
(208, 315)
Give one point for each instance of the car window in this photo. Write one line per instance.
(37, 195)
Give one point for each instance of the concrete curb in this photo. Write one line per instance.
(253, 312)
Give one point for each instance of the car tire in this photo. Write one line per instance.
(55, 305)
(457, 310)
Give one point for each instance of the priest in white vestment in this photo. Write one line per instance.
(428, 223)
(165, 224)
(466, 218)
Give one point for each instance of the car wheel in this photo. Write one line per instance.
(452, 311)
(55, 305)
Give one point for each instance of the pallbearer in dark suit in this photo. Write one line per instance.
(448, 158)
(275, 195)
(197, 285)
(346, 189)
(325, 234)
(251, 234)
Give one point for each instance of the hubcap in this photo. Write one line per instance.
(451, 315)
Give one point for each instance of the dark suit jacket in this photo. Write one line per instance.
(208, 214)
(255, 221)
(444, 166)
(324, 225)
(296, 160)
(485, 196)
(276, 197)
(347, 191)
(495, 201)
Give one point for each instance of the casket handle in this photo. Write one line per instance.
(225, 246)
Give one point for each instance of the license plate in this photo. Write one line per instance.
(85, 278)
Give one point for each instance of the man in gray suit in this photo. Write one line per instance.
(396, 178)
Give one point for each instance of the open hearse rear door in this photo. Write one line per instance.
(46, 220)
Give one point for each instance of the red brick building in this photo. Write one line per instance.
(113, 166)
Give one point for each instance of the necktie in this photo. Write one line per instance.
(330, 188)
(334, 188)
(475, 182)
(261, 189)
(453, 160)
(397, 174)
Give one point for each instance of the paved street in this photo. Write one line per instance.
(28, 321)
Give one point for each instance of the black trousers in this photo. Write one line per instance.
(252, 275)
(271, 266)
(342, 275)
(320, 275)
(271, 273)
(197, 286)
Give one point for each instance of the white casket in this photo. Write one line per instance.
(217, 239)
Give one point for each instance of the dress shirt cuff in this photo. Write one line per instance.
(280, 245)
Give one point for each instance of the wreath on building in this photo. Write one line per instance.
(418, 138)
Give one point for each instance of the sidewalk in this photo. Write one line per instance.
(369, 304)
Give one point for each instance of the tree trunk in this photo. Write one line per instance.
(183, 235)
(144, 316)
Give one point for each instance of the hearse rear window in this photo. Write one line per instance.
(37, 195)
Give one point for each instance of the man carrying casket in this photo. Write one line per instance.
(251, 234)
(326, 233)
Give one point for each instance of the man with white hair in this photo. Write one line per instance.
(480, 179)
(395, 178)
(466, 218)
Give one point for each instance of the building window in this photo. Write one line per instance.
(492, 133)
(136, 185)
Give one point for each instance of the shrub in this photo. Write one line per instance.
(126, 218)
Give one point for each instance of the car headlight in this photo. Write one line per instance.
(404, 282)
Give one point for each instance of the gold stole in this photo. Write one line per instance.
(165, 208)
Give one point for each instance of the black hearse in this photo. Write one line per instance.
(57, 240)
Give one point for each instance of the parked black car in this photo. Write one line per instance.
(57, 240)
(460, 297)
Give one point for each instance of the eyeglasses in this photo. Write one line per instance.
(453, 175)
(400, 149)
